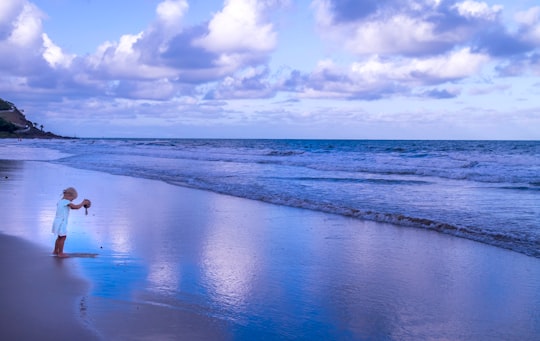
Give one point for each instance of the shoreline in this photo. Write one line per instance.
(495, 213)
(177, 261)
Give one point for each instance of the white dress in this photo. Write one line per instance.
(61, 219)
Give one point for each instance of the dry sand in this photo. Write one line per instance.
(177, 263)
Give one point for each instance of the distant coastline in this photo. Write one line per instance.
(14, 124)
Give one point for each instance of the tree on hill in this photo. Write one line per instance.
(7, 126)
(5, 105)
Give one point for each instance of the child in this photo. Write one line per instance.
(60, 221)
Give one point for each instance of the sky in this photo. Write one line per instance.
(323, 69)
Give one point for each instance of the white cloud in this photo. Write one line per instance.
(171, 12)
(323, 13)
(250, 83)
(458, 64)
(157, 90)
(21, 32)
(8, 10)
(530, 22)
(169, 21)
(27, 27)
(135, 56)
(395, 31)
(455, 65)
(410, 28)
(372, 69)
(529, 17)
(123, 60)
(53, 54)
(116, 53)
(377, 77)
(239, 27)
(475, 9)
(124, 50)
(398, 34)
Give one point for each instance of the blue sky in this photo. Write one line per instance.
(371, 69)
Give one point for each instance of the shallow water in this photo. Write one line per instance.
(488, 191)
(175, 261)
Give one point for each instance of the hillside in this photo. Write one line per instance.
(14, 124)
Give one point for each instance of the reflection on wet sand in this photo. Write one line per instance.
(174, 261)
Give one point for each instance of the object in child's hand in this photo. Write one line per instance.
(87, 206)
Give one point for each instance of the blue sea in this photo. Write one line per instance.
(487, 191)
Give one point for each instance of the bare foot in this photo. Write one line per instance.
(62, 255)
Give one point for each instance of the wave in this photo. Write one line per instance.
(470, 195)
(284, 152)
(355, 180)
(471, 164)
(439, 159)
(509, 240)
(461, 173)
(520, 188)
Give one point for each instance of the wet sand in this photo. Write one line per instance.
(39, 295)
(176, 263)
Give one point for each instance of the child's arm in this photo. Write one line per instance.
(77, 206)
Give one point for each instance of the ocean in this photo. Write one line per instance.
(487, 191)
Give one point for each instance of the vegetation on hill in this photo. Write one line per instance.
(13, 124)
(7, 126)
(5, 105)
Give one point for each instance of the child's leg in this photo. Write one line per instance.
(56, 245)
(61, 241)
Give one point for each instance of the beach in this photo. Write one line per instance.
(38, 295)
(176, 263)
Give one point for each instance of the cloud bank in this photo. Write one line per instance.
(395, 49)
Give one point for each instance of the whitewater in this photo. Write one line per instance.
(487, 191)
